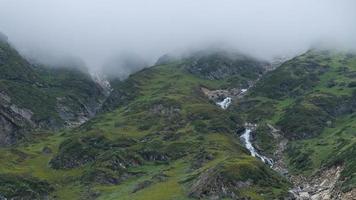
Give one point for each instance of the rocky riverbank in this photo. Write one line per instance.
(323, 185)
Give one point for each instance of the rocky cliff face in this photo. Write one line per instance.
(221, 65)
(13, 121)
(160, 134)
(38, 97)
(156, 129)
(311, 99)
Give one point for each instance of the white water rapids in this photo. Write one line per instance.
(246, 138)
(225, 103)
(301, 191)
(243, 91)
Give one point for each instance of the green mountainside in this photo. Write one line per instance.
(160, 134)
(37, 97)
(312, 100)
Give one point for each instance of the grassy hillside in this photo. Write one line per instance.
(165, 140)
(311, 98)
(159, 137)
(38, 97)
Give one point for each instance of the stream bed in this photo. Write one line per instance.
(246, 139)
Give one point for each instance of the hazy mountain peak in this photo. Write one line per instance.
(3, 37)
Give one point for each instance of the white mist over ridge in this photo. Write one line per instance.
(97, 31)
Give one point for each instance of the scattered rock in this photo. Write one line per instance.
(160, 177)
(219, 95)
(212, 185)
(106, 177)
(16, 187)
(304, 195)
(321, 186)
(46, 150)
(351, 195)
(153, 156)
(201, 158)
(142, 185)
(163, 110)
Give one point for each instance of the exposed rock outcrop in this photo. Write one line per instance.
(106, 177)
(219, 65)
(16, 187)
(321, 186)
(33, 96)
(212, 185)
(13, 121)
(219, 95)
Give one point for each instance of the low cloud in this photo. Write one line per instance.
(99, 32)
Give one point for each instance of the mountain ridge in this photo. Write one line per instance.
(42, 97)
(161, 134)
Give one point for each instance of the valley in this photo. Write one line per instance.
(321, 186)
(212, 125)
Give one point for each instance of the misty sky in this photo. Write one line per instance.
(99, 30)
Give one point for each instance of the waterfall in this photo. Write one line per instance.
(246, 138)
(225, 103)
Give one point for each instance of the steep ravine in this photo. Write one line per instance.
(321, 186)
(246, 139)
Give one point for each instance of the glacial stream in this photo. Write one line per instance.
(320, 187)
(246, 138)
(225, 103)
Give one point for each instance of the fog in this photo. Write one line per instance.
(100, 32)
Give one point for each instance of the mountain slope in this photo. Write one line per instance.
(161, 135)
(311, 99)
(37, 97)
(166, 140)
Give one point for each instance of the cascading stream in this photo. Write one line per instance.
(246, 138)
(225, 103)
(301, 191)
